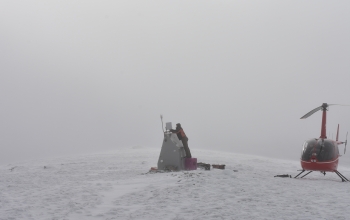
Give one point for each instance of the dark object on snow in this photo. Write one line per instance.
(284, 175)
(205, 166)
(217, 166)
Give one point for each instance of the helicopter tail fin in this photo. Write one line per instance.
(337, 133)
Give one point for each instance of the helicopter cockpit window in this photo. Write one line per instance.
(325, 150)
(307, 149)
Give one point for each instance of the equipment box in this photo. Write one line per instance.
(191, 163)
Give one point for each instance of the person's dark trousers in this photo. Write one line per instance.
(187, 150)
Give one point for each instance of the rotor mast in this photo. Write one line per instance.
(324, 119)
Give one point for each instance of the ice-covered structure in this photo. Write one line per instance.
(172, 155)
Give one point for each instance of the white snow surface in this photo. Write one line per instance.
(117, 185)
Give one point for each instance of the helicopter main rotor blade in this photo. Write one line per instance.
(324, 106)
(338, 104)
(311, 112)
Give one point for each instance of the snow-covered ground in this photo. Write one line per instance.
(117, 185)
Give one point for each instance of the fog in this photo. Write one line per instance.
(92, 76)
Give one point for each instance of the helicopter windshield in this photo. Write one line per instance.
(307, 149)
(323, 148)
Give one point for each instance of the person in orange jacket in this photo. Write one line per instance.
(182, 136)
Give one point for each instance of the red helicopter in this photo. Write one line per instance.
(321, 154)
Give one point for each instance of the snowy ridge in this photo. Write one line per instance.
(118, 186)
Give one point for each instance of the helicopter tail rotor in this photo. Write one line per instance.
(346, 142)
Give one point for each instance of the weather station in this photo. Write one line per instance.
(172, 155)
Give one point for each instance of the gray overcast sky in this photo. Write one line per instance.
(90, 76)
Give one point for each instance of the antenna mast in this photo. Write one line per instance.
(161, 118)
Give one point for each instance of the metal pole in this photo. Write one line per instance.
(161, 118)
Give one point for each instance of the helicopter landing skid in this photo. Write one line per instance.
(343, 178)
(301, 173)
